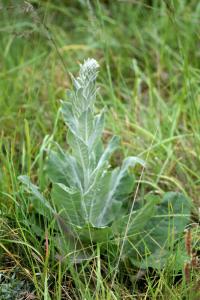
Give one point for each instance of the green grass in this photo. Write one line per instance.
(149, 81)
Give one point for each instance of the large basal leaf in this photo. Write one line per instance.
(95, 198)
(89, 234)
(62, 168)
(72, 251)
(162, 231)
(110, 204)
(33, 189)
(68, 203)
(126, 186)
(134, 225)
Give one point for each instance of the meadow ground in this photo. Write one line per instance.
(149, 59)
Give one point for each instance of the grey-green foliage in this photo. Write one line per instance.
(89, 195)
(89, 190)
(154, 229)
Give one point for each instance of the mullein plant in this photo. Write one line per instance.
(89, 198)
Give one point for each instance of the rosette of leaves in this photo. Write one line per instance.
(88, 196)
